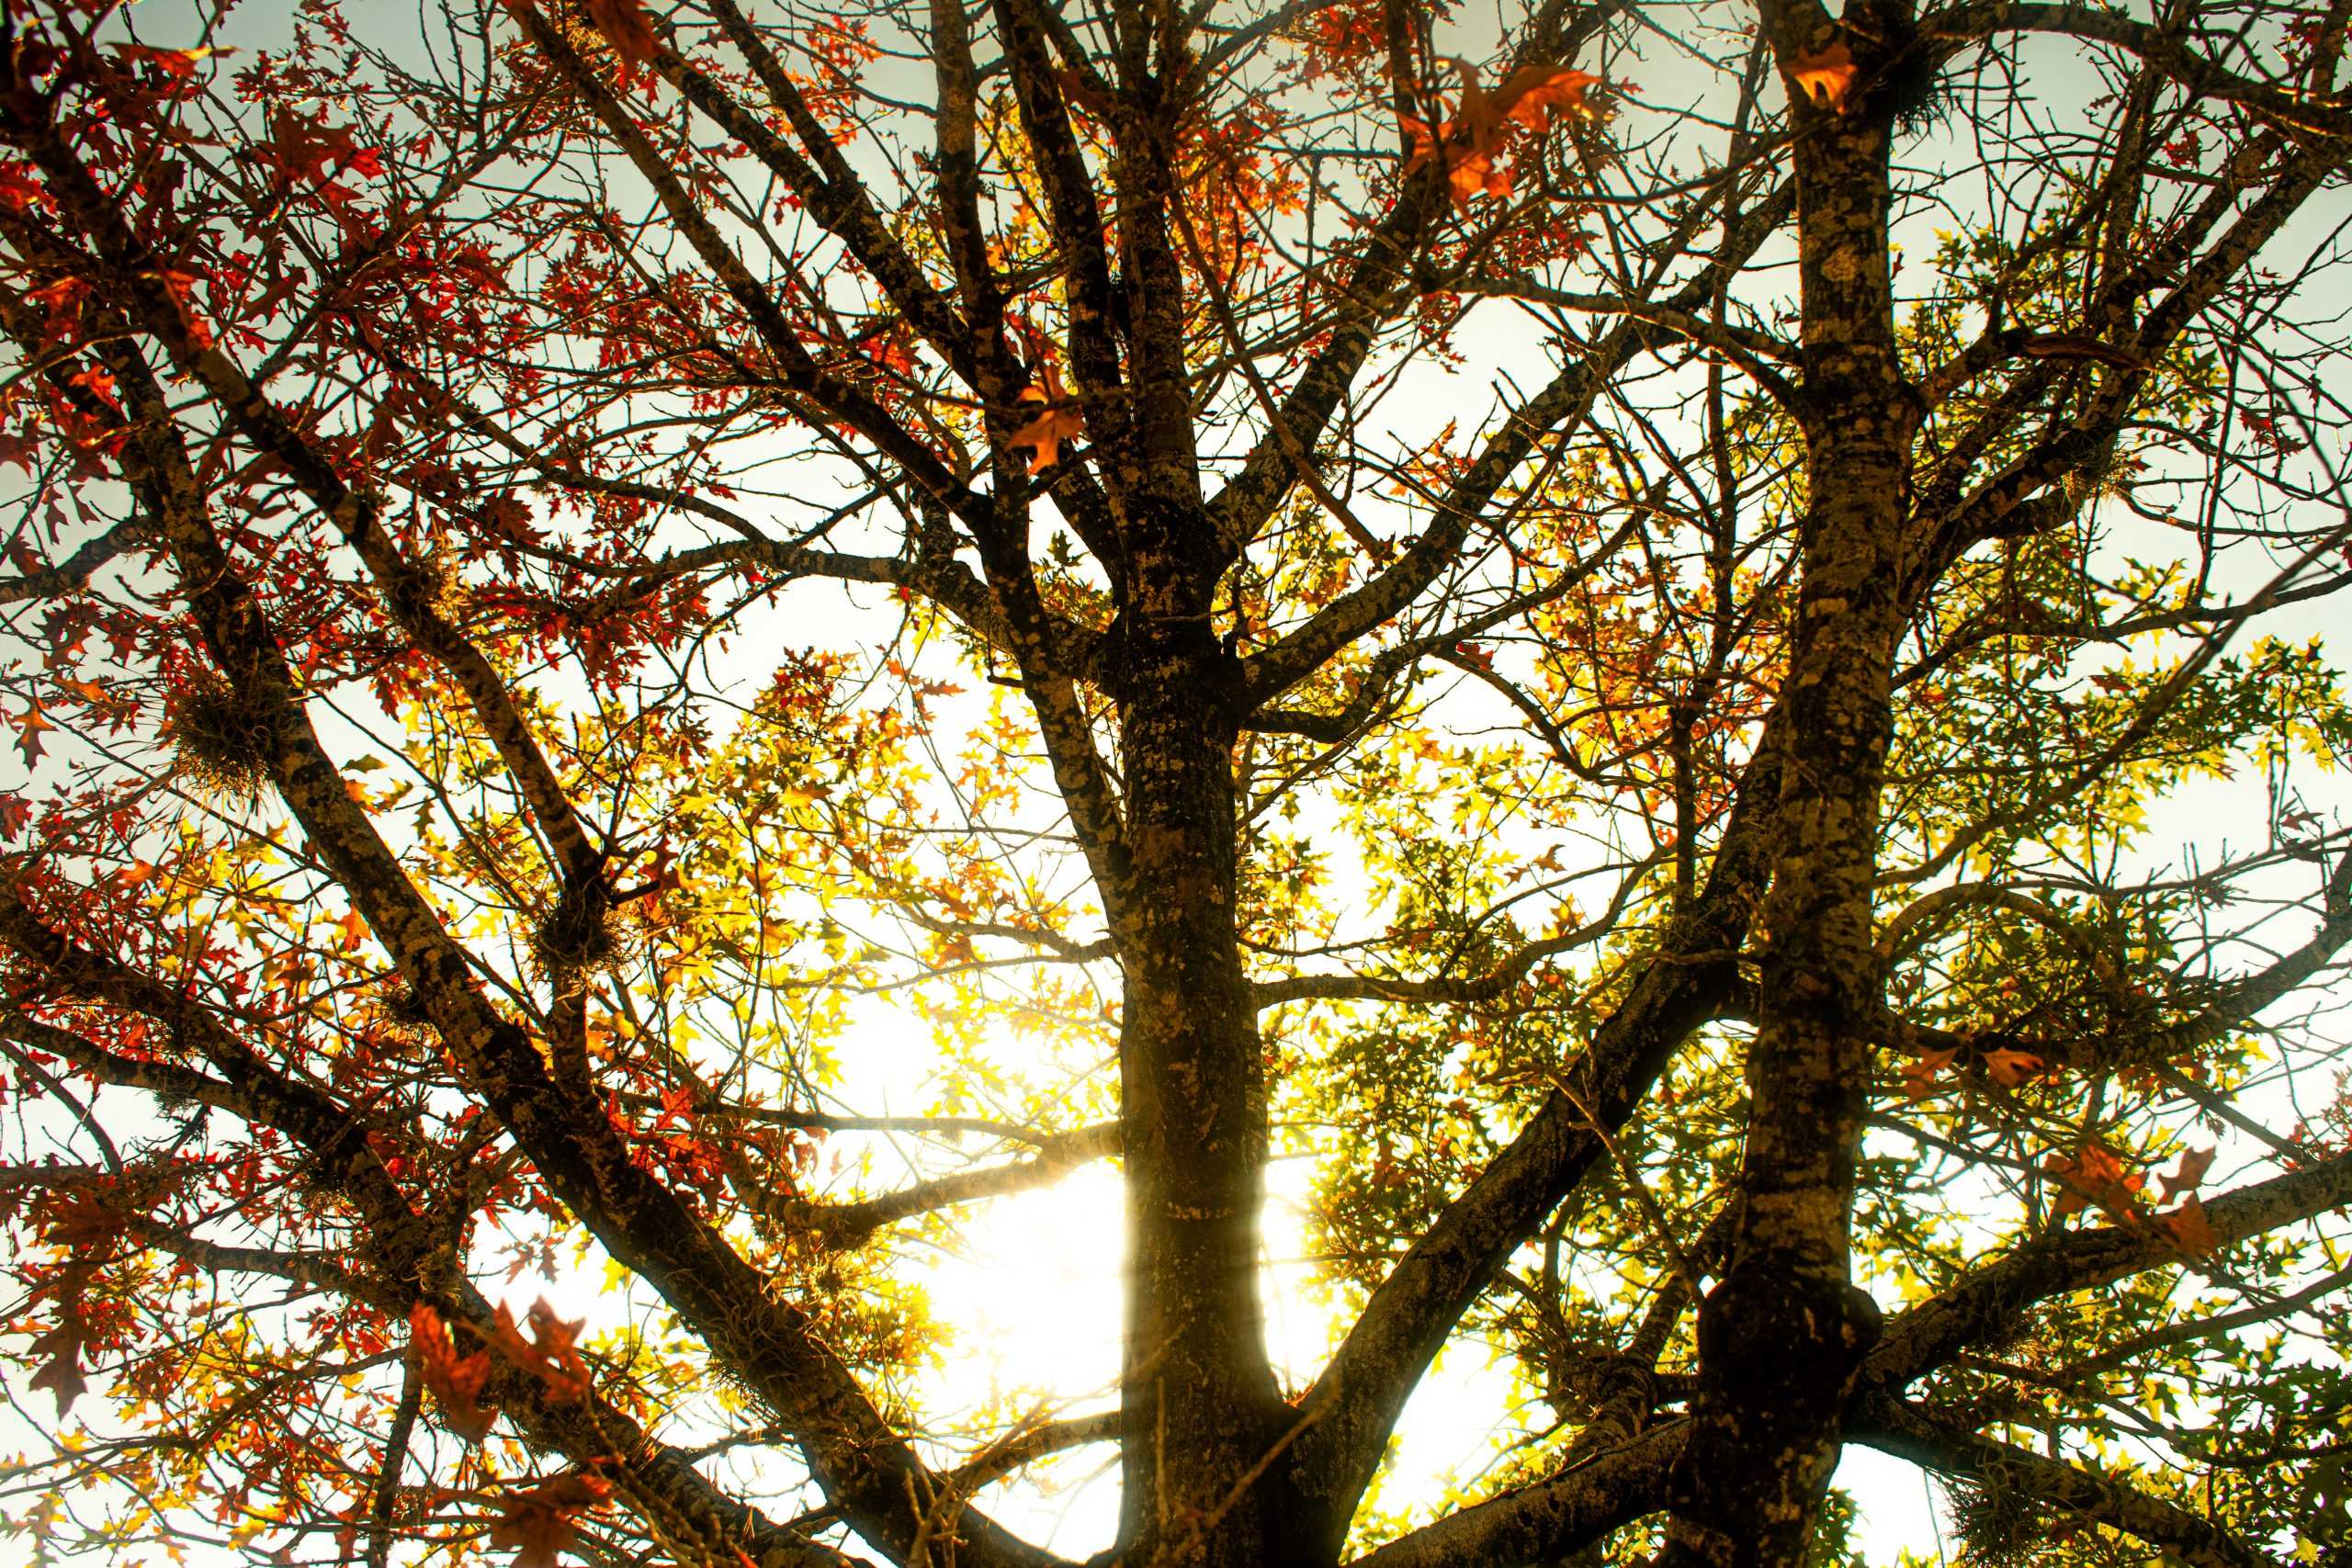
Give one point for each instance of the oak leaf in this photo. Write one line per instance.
(2010, 1068)
(2184, 1177)
(1532, 94)
(549, 1354)
(1919, 1077)
(626, 29)
(541, 1522)
(1054, 424)
(2188, 1230)
(1484, 123)
(30, 726)
(2094, 1175)
(456, 1381)
(1825, 77)
(61, 1374)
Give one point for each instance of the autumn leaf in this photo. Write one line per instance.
(60, 1349)
(2011, 1068)
(2188, 1230)
(61, 1374)
(1826, 76)
(31, 727)
(98, 382)
(541, 1522)
(179, 63)
(63, 300)
(1484, 124)
(1532, 94)
(1424, 139)
(549, 1354)
(355, 930)
(18, 190)
(1044, 434)
(2184, 1178)
(307, 148)
(181, 287)
(1919, 1077)
(456, 1381)
(626, 28)
(2094, 1175)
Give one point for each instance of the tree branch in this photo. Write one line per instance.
(1908, 1431)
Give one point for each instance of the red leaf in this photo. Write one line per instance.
(456, 1381)
(542, 1521)
(18, 191)
(62, 1376)
(625, 27)
(63, 300)
(549, 1354)
(31, 727)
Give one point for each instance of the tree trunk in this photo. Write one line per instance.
(1783, 1332)
(1200, 1396)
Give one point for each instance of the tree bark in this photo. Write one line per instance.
(1783, 1334)
(1201, 1406)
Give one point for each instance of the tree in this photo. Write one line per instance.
(1612, 624)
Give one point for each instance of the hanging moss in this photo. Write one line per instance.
(580, 935)
(2002, 1526)
(221, 741)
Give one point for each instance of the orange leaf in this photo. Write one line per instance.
(549, 1354)
(1478, 125)
(1044, 434)
(1474, 174)
(355, 930)
(1825, 77)
(2010, 1068)
(1919, 1077)
(625, 27)
(1424, 141)
(1532, 93)
(456, 1381)
(544, 1520)
(1482, 127)
(2187, 1229)
(2194, 1163)
(2094, 1175)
